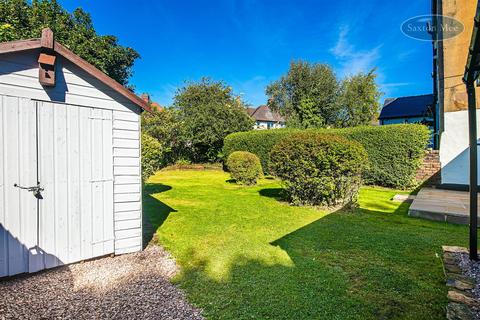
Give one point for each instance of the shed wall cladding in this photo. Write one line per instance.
(89, 144)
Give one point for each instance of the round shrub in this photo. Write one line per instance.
(244, 167)
(319, 169)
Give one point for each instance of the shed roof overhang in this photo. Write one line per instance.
(47, 42)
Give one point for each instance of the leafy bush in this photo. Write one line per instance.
(395, 151)
(259, 142)
(164, 126)
(151, 156)
(183, 162)
(318, 168)
(244, 167)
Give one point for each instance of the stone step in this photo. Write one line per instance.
(442, 205)
(441, 216)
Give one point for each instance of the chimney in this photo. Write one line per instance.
(145, 97)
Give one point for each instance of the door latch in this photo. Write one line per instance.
(36, 190)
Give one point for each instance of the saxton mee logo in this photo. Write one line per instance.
(432, 27)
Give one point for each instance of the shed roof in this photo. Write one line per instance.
(263, 113)
(23, 45)
(412, 106)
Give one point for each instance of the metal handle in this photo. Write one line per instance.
(35, 189)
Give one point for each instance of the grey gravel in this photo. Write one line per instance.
(471, 269)
(132, 286)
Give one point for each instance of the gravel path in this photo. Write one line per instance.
(132, 286)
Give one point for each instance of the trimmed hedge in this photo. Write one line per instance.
(395, 151)
(259, 142)
(318, 168)
(244, 167)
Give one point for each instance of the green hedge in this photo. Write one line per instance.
(259, 142)
(395, 151)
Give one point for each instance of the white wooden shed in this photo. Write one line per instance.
(70, 180)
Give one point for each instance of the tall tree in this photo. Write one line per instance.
(209, 111)
(306, 95)
(359, 100)
(310, 95)
(20, 19)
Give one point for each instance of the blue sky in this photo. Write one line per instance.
(250, 43)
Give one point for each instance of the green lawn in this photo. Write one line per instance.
(246, 255)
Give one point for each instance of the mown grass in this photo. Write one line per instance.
(244, 254)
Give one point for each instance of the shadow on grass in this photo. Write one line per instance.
(364, 265)
(155, 212)
(275, 193)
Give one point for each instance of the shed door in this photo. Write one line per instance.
(76, 172)
(68, 151)
(18, 165)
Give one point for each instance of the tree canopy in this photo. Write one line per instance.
(209, 111)
(309, 95)
(359, 100)
(306, 95)
(202, 115)
(21, 19)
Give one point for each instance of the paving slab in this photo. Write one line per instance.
(442, 205)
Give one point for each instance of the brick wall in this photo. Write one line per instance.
(429, 172)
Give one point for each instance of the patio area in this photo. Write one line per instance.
(441, 205)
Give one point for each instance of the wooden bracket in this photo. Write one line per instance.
(47, 58)
(47, 41)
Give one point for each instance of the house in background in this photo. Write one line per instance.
(266, 118)
(413, 109)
